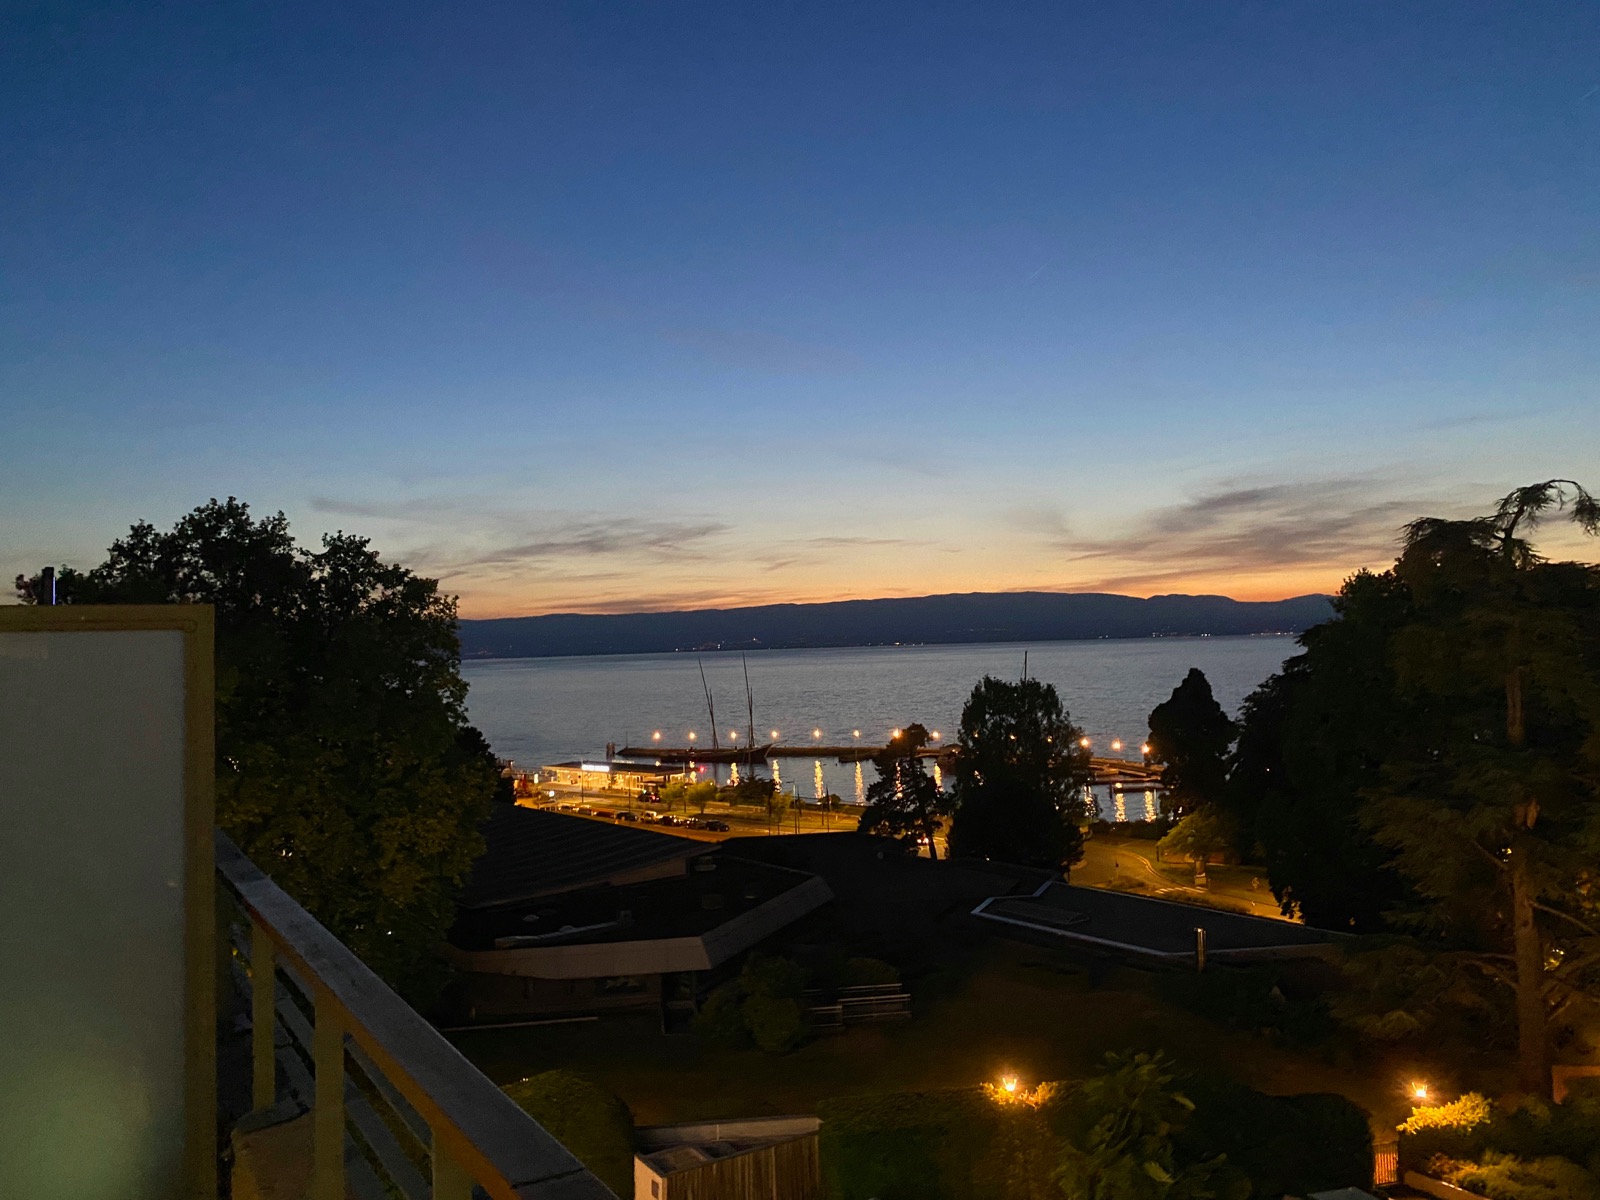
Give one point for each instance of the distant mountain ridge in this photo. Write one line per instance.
(954, 618)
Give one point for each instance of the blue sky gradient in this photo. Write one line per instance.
(618, 306)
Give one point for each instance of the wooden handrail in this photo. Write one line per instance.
(477, 1129)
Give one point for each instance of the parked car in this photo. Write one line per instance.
(715, 826)
(566, 808)
(626, 816)
(668, 819)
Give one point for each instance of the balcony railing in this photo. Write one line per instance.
(395, 1110)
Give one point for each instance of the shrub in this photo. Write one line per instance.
(954, 1144)
(721, 1017)
(1285, 1144)
(590, 1121)
(764, 1005)
(777, 1024)
(1504, 1177)
(1457, 1130)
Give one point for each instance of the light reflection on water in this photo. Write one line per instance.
(547, 710)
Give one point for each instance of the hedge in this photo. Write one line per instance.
(951, 1144)
(587, 1119)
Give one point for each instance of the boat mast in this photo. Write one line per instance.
(750, 705)
(711, 709)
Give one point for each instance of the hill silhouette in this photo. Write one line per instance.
(964, 617)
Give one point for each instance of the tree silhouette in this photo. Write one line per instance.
(345, 764)
(904, 802)
(1020, 777)
(1490, 803)
(1189, 737)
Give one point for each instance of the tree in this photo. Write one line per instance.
(1021, 777)
(591, 1122)
(345, 765)
(1491, 803)
(1311, 739)
(904, 803)
(1189, 737)
(1123, 1142)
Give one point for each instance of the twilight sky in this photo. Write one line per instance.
(613, 306)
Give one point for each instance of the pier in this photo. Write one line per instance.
(1107, 771)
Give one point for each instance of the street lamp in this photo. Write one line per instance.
(1084, 742)
(936, 735)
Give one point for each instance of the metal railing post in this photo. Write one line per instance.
(450, 1180)
(263, 1020)
(327, 1130)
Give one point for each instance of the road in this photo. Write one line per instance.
(1108, 860)
(1123, 864)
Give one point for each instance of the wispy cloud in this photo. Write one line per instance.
(1243, 529)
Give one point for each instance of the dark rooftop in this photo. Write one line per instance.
(715, 889)
(536, 853)
(1118, 921)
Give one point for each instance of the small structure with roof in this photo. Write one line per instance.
(762, 1158)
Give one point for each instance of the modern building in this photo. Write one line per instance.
(567, 916)
(626, 777)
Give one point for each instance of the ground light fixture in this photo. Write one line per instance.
(1419, 1090)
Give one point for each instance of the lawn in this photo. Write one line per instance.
(1016, 1007)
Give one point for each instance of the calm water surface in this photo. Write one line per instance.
(543, 710)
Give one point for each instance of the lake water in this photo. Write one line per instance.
(544, 710)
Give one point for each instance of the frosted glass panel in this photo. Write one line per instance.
(91, 915)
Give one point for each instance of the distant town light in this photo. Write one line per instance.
(1145, 749)
(936, 735)
(855, 733)
(691, 735)
(895, 734)
(733, 735)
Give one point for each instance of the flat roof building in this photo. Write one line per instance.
(564, 915)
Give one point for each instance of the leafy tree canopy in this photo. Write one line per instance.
(345, 764)
(1123, 1145)
(1020, 777)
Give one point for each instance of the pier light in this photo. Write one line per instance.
(936, 735)
(733, 735)
(1145, 749)
(1084, 742)
(855, 733)
(816, 733)
(774, 733)
(691, 735)
(894, 735)
(1116, 743)
(656, 736)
